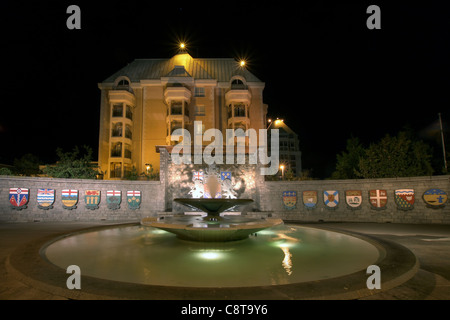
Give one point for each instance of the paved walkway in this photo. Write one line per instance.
(430, 244)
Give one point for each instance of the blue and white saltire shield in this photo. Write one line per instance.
(331, 198)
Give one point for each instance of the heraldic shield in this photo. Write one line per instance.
(353, 199)
(69, 198)
(18, 197)
(435, 198)
(134, 199)
(331, 198)
(92, 199)
(404, 198)
(45, 198)
(310, 199)
(113, 199)
(378, 199)
(289, 199)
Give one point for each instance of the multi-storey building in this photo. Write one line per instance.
(289, 151)
(144, 102)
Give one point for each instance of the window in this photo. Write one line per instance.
(117, 110)
(115, 170)
(239, 110)
(116, 129)
(123, 82)
(238, 84)
(199, 92)
(176, 108)
(128, 132)
(129, 112)
(116, 149)
(127, 151)
(199, 110)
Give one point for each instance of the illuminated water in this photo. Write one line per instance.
(279, 255)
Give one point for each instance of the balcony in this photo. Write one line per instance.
(238, 95)
(177, 93)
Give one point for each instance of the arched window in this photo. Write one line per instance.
(238, 84)
(122, 83)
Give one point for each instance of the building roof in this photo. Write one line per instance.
(221, 70)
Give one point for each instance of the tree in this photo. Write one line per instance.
(396, 157)
(27, 165)
(348, 161)
(73, 165)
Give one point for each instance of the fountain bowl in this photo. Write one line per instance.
(195, 228)
(214, 227)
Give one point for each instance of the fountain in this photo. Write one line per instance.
(214, 226)
(148, 260)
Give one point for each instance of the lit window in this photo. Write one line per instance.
(117, 110)
(129, 112)
(116, 149)
(116, 129)
(199, 92)
(199, 110)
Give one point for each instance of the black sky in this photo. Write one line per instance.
(326, 74)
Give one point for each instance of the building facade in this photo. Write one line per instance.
(144, 102)
(289, 149)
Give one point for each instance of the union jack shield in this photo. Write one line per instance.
(45, 198)
(18, 197)
(113, 199)
(197, 175)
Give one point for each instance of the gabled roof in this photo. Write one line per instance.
(221, 70)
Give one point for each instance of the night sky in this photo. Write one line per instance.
(326, 74)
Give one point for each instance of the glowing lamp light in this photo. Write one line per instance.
(210, 255)
(242, 63)
(278, 122)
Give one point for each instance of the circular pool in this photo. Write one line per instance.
(285, 254)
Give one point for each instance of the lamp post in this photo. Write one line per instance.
(282, 172)
(147, 166)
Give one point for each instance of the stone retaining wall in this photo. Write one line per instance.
(272, 200)
(152, 196)
(268, 196)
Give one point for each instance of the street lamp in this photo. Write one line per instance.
(147, 166)
(282, 172)
(277, 122)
